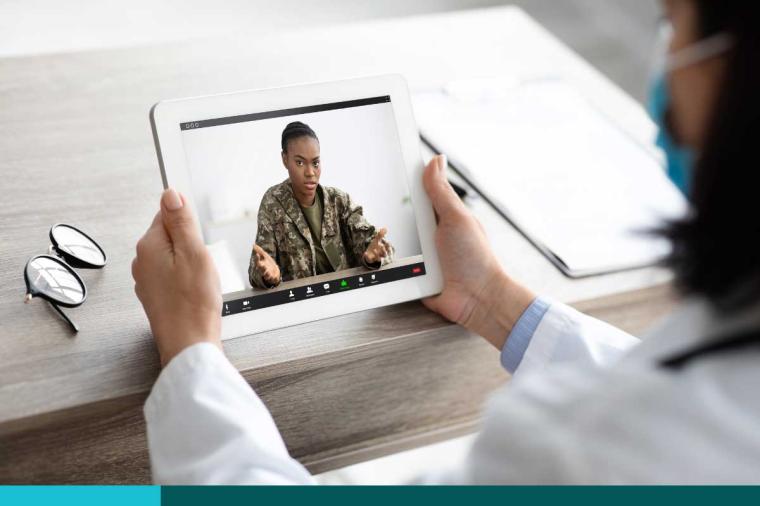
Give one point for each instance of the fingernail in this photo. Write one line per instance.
(444, 163)
(171, 200)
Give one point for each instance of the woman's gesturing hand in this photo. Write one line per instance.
(266, 265)
(378, 248)
(176, 280)
(477, 293)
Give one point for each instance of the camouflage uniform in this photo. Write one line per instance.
(285, 235)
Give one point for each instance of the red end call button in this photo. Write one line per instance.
(416, 270)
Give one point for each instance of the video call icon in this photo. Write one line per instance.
(246, 302)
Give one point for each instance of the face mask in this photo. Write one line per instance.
(679, 158)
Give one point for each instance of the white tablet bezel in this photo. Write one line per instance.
(166, 117)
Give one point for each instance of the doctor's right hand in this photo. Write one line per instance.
(176, 281)
(477, 293)
(266, 266)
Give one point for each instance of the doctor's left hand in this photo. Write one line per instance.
(176, 281)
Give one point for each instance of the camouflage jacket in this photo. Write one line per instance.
(285, 235)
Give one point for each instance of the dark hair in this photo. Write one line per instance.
(716, 249)
(295, 130)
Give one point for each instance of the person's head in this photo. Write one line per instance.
(300, 156)
(715, 111)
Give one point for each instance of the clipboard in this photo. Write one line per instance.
(602, 166)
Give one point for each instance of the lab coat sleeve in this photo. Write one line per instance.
(553, 333)
(529, 433)
(207, 426)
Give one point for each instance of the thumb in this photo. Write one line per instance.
(178, 221)
(432, 303)
(441, 194)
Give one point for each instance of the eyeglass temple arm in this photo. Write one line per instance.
(73, 325)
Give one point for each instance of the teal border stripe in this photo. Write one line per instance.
(80, 495)
(460, 496)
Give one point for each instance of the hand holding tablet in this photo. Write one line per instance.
(176, 281)
(477, 293)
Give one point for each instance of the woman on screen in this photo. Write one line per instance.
(305, 228)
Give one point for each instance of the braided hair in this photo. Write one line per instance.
(295, 130)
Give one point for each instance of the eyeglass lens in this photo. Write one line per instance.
(55, 280)
(78, 245)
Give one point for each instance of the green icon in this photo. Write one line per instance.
(343, 283)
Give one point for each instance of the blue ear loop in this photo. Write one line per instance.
(679, 158)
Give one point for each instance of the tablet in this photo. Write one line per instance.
(292, 189)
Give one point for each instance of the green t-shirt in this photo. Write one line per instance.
(313, 215)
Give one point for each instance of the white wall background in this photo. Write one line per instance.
(231, 166)
(51, 26)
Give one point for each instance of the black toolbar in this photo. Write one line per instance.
(322, 289)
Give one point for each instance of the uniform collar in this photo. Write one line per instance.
(283, 192)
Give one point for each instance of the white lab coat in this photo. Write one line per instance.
(580, 408)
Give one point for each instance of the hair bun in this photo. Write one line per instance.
(295, 130)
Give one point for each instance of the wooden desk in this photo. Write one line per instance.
(75, 147)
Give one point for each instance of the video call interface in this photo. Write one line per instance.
(304, 202)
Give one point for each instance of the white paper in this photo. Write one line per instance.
(565, 174)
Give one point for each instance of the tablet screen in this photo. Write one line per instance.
(304, 202)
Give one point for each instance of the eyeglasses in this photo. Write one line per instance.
(53, 278)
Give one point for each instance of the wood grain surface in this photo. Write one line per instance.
(75, 147)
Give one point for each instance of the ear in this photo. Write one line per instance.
(284, 156)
